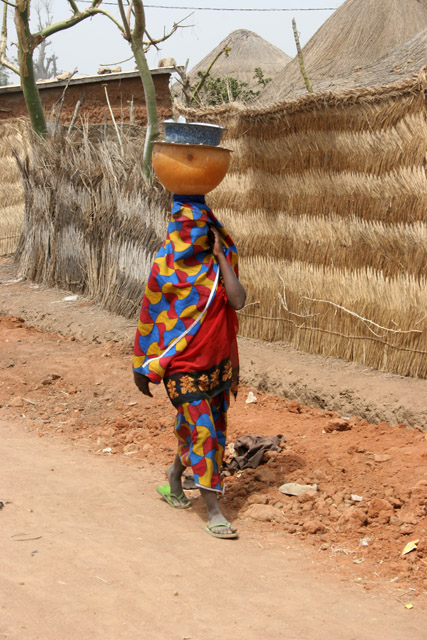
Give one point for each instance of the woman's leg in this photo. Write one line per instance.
(201, 429)
(175, 493)
(174, 474)
(217, 522)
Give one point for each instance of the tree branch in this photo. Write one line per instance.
(70, 22)
(3, 42)
(127, 32)
(300, 57)
(129, 13)
(304, 327)
(113, 118)
(139, 29)
(76, 111)
(9, 65)
(60, 102)
(153, 43)
(73, 6)
(184, 81)
(226, 49)
(366, 321)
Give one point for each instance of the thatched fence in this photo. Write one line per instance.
(91, 225)
(13, 140)
(327, 201)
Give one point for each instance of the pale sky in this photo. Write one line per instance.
(98, 42)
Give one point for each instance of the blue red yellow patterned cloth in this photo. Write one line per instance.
(183, 284)
(201, 430)
(187, 335)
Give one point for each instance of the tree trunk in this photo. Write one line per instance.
(150, 103)
(137, 46)
(25, 56)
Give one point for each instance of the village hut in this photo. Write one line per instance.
(357, 34)
(326, 198)
(247, 52)
(404, 61)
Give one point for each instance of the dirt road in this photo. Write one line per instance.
(88, 551)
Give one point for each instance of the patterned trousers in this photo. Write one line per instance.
(201, 429)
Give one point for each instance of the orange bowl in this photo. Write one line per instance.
(190, 169)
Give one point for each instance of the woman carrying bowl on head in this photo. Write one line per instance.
(187, 337)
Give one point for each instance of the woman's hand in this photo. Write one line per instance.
(215, 240)
(236, 294)
(142, 382)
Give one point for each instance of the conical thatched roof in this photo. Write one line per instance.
(357, 35)
(248, 51)
(403, 61)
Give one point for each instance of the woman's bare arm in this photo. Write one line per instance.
(235, 292)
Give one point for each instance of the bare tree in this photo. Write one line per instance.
(45, 65)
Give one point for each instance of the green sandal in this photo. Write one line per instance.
(174, 501)
(228, 533)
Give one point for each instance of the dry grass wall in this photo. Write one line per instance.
(13, 140)
(91, 225)
(326, 199)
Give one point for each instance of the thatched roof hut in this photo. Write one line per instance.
(248, 51)
(357, 35)
(402, 62)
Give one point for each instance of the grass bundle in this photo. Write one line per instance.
(311, 149)
(398, 197)
(375, 108)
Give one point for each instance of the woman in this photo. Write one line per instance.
(187, 337)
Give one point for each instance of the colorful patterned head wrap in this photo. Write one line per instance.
(181, 286)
